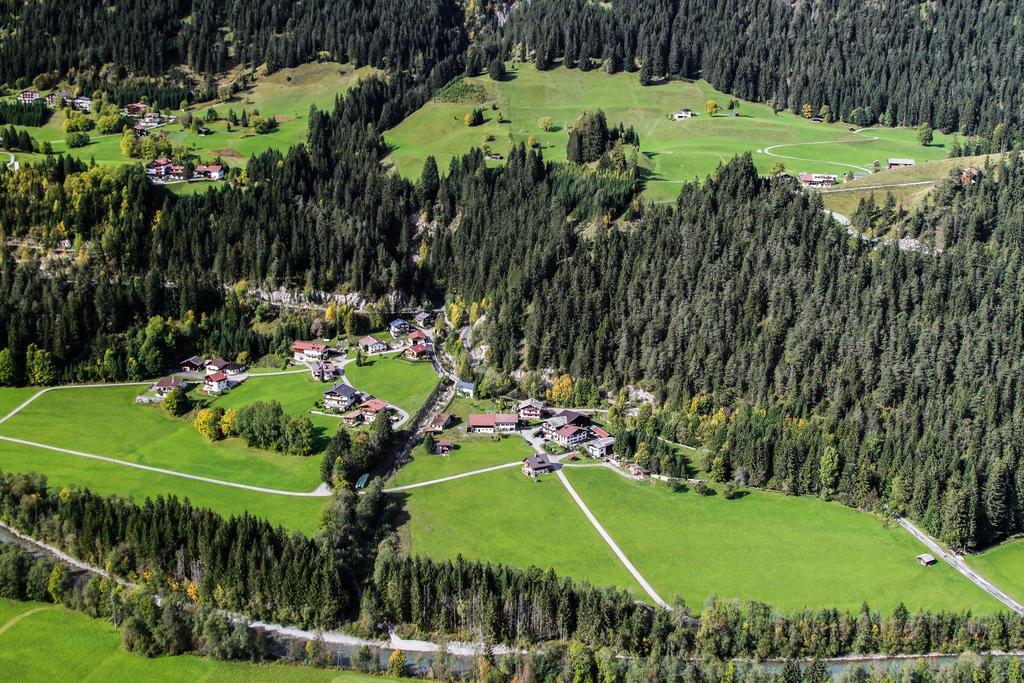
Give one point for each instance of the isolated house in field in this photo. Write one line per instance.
(193, 364)
(570, 435)
(925, 560)
(416, 352)
(536, 464)
(600, 447)
(308, 351)
(896, 162)
(398, 327)
(444, 447)
(28, 96)
(168, 384)
(216, 382)
(818, 179)
(372, 345)
(340, 397)
(530, 409)
(683, 114)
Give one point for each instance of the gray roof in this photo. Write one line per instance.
(538, 461)
(342, 390)
(603, 442)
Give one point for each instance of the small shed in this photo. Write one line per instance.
(925, 559)
(445, 446)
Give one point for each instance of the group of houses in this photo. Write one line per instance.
(818, 179)
(55, 99)
(162, 169)
(219, 375)
(356, 407)
(418, 348)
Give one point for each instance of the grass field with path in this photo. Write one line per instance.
(297, 392)
(792, 552)
(1003, 566)
(55, 644)
(286, 94)
(471, 453)
(107, 421)
(505, 517)
(673, 151)
(404, 383)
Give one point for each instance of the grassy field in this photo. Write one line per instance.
(847, 196)
(471, 453)
(297, 392)
(1003, 566)
(286, 94)
(673, 151)
(106, 421)
(404, 383)
(505, 517)
(792, 552)
(54, 644)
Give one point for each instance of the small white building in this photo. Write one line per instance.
(600, 448)
(683, 114)
(372, 345)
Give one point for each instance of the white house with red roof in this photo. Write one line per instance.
(214, 172)
(372, 345)
(216, 382)
(570, 435)
(416, 352)
(309, 351)
(492, 423)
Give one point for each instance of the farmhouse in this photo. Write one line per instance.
(28, 96)
(570, 435)
(216, 364)
(304, 351)
(895, 162)
(683, 114)
(818, 179)
(168, 384)
(424, 318)
(215, 383)
(340, 397)
(416, 352)
(535, 464)
(491, 423)
(601, 447)
(372, 345)
(925, 559)
(153, 120)
(324, 372)
(575, 418)
(442, 422)
(232, 369)
(372, 408)
(417, 337)
(530, 409)
(134, 109)
(444, 447)
(209, 172)
(398, 327)
(160, 167)
(193, 364)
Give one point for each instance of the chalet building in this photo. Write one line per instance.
(160, 167)
(209, 172)
(307, 351)
(818, 179)
(442, 422)
(140, 132)
(601, 447)
(424, 319)
(168, 384)
(51, 100)
(416, 352)
(895, 162)
(372, 345)
(233, 369)
(566, 418)
(193, 364)
(81, 103)
(536, 464)
(530, 409)
(28, 96)
(570, 435)
(467, 389)
(134, 109)
(353, 419)
(417, 337)
(216, 383)
(444, 447)
(493, 423)
(216, 364)
(340, 397)
(398, 327)
(372, 408)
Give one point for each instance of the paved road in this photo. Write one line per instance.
(611, 543)
(958, 564)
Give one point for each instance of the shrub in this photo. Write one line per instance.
(77, 139)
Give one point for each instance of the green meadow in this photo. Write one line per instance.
(671, 151)
(46, 643)
(287, 95)
(471, 453)
(1003, 565)
(505, 517)
(404, 383)
(105, 420)
(792, 552)
(297, 392)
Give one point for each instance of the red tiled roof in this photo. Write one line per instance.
(477, 421)
(418, 348)
(369, 341)
(568, 430)
(308, 346)
(216, 377)
(416, 334)
(373, 405)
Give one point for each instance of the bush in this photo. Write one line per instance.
(77, 139)
(474, 117)
(177, 403)
(207, 423)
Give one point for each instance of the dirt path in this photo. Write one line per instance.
(769, 152)
(430, 482)
(24, 615)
